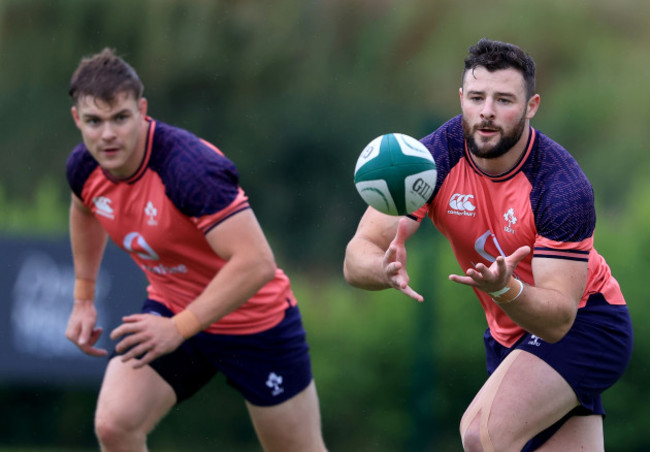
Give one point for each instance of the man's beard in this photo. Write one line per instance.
(503, 145)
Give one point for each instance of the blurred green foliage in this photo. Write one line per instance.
(291, 91)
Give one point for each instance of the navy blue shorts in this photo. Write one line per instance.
(267, 368)
(591, 357)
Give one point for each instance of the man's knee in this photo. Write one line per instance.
(471, 435)
(114, 433)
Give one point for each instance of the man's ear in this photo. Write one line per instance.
(532, 106)
(143, 105)
(75, 116)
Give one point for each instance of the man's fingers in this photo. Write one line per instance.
(89, 347)
(519, 254)
(146, 359)
(141, 355)
(402, 232)
(123, 329)
(391, 254)
(117, 332)
(133, 318)
(94, 336)
(138, 363)
(393, 268)
(477, 273)
(137, 350)
(484, 277)
(413, 294)
(466, 280)
(92, 351)
(502, 266)
(130, 342)
(85, 333)
(73, 332)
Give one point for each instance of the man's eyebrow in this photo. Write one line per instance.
(117, 113)
(498, 93)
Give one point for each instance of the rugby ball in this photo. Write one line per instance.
(395, 174)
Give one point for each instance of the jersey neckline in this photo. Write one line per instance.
(148, 146)
(512, 171)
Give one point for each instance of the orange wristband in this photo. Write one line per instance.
(509, 293)
(84, 289)
(187, 323)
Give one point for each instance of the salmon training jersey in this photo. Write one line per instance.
(545, 202)
(183, 188)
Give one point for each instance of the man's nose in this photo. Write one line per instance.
(107, 132)
(487, 112)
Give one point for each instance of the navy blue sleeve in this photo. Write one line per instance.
(198, 180)
(79, 166)
(562, 197)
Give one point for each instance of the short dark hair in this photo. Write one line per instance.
(103, 76)
(496, 55)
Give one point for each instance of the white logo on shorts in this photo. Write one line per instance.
(534, 340)
(274, 381)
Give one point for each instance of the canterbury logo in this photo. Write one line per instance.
(462, 202)
(103, 207)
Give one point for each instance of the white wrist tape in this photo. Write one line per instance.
(509, 293)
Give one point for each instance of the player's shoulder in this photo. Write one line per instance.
(553, 167)
(79, 165)
(561, 192)
(180, 154)
(197, 177)
(79, 156)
